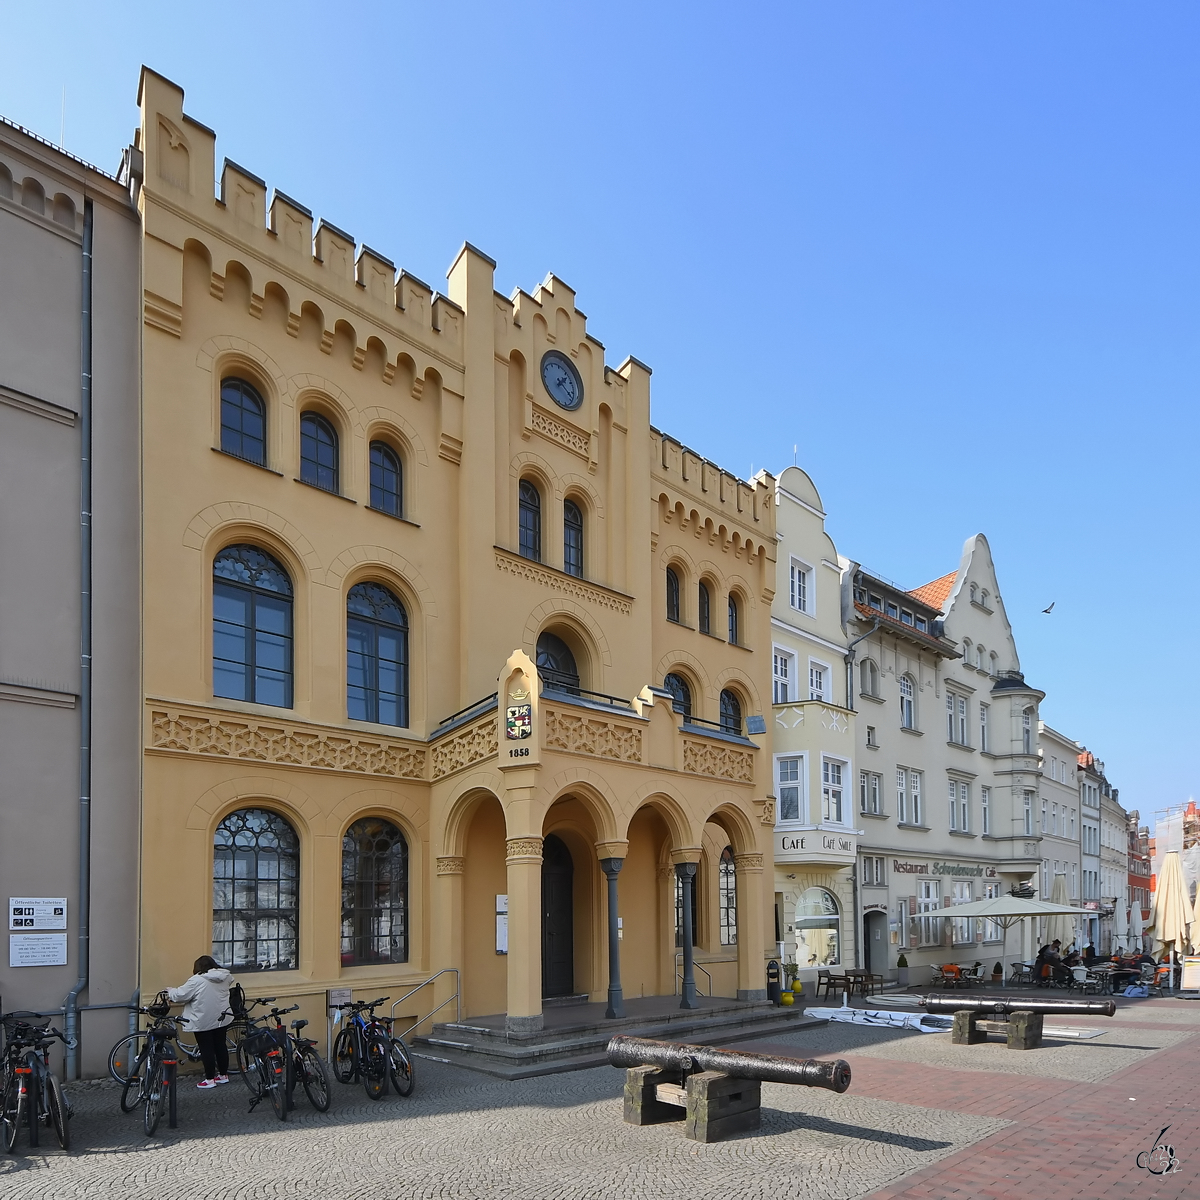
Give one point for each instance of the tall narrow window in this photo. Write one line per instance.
(985, 810)
(256, 871)
(870, 678)
(799, 587)
(914, 787)
(376, 656)
(704, 608)
(374, 893)
(530, 506)
(907, 707)
(902, 796)
(953, 805)
(816, 680)
(681, 694)
(727, 897)
(556, 664)
(1028, 814)
(252, 627)
(1027, 731)
(387, 480)
(781, 685)
(831, 791)
(983, 727)
(964, 808)
(243, 421)
(573, 539)
(731, 712)
(789, 789)
(733, 621)
(318, 452)
(672, 595)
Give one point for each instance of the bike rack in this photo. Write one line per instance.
(456, 998)
(679, 976)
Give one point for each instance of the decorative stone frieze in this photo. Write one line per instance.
(558, 431)
(460, 750)
(719, 761)
(451, 865)
(561, 583)
(591, 735)
(523, 850)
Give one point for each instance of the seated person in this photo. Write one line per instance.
(1090, 957)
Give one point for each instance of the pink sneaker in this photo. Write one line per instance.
(221, 1079)
(207, 1083)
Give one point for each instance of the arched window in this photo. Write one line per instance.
(672, 595)
(556, 664)
(243, 421)
(818, 929)
(731, 712)
(994, 663)
(252, 627)
(727, 897)
(387, 480)
(573, 539)
(530, 513)
(318, 452)
(1027, 731)
(979, 657)
(908, 713)
(870, 677)
(376, 656)
(374, 893)
(681, 694)
(966, 651)
(256, 872)
(733, 621)
(704, 608)
(974, 594)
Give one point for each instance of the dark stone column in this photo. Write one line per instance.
(686, 873)
(616, 998)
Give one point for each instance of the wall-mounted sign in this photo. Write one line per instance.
(37, 912)
(960, 870)
(815, 845)
(336, 996)
(37, 949)
(501, 924)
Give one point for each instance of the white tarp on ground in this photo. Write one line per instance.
(870, 1016)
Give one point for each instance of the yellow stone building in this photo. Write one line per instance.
(440, 633)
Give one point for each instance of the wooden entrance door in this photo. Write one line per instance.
(558, 919)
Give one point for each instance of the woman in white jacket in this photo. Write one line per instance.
(205, 1000)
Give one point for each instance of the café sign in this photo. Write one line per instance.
(815, 845)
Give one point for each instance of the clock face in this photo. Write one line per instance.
(561, 380)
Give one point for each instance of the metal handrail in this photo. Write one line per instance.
(679, 975)
(426, 983)
(553, 687)
(461, 711)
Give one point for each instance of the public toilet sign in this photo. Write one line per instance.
(37, 912)
(961, 870)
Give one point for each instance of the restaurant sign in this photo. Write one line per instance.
(958, 870)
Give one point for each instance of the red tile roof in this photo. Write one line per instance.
(934, 594)
(872, 614)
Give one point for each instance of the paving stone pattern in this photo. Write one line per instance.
(922, 1119)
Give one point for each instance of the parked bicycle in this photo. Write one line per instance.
(146, 1064)
(32, 1093)
(366, 1050)
(264, 1057)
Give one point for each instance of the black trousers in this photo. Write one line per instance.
(214, 1053)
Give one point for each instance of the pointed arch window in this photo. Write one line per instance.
(374, 893)
(243, 421)
(734, 631)
(256, 872)
(573, 539)
(727, 897)
(704, 608)
(672, 595)
(318, 452)
(252, 627)
(530, 513)
(681, 694)
(387, 480)
(731, 712)
(376, 656)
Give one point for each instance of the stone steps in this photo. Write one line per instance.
(580, 1045)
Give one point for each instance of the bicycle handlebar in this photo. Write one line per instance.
(362, 1005)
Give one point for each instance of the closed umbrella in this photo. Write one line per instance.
(1061, 927)
(1196, 924)
(1136, 927)
(1172, 914)
(1120, 929)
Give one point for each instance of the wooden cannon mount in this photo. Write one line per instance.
(715, 1093)
(1019, 1018)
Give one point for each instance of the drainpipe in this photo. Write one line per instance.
(71, 1004)
(849, 659)
(859, 929)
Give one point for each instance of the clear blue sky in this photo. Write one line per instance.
(948, 250)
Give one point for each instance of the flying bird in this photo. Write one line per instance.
(1051, 608)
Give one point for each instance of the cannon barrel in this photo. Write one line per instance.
(950, 1002)
(769, 1068)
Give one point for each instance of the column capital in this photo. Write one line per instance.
(748, 863)
(523, 849)
(686, 870)
(686, 854)
(612, 849)
(451, 865)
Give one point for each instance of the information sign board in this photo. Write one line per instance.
(37, 912)
(37, 949)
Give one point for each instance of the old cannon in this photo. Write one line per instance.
(1018, 1017)
(714, 1092)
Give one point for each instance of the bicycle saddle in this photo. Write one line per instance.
(299, 1024)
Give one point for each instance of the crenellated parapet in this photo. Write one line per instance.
(317, 278)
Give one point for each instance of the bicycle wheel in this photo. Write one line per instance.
(376, 1057)
(247, 1066)
(133, 1091)
(187, 1046)
(345, 1069)
(60, 1115)
(124, 1056)
(312, 1075)
(403, 1074)
(33, 1103)
(14, 1111)
(275, 1082)
(156, 1095)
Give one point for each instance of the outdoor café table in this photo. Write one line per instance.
(860, 982)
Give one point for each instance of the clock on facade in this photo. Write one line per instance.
(562, 380)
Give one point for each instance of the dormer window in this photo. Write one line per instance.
(906, 616)
(921, 625)
(893, 610)
(875, 602)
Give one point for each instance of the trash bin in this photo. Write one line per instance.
(773, 988)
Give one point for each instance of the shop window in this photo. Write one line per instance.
(818, 929)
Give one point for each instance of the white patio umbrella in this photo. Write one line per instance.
(1006, 911)
(1172, 914)
(1136, 927)
(1120, 928)
(1196, 924)
(1061, 927)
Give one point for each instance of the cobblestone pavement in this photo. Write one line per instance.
(914, 1123)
